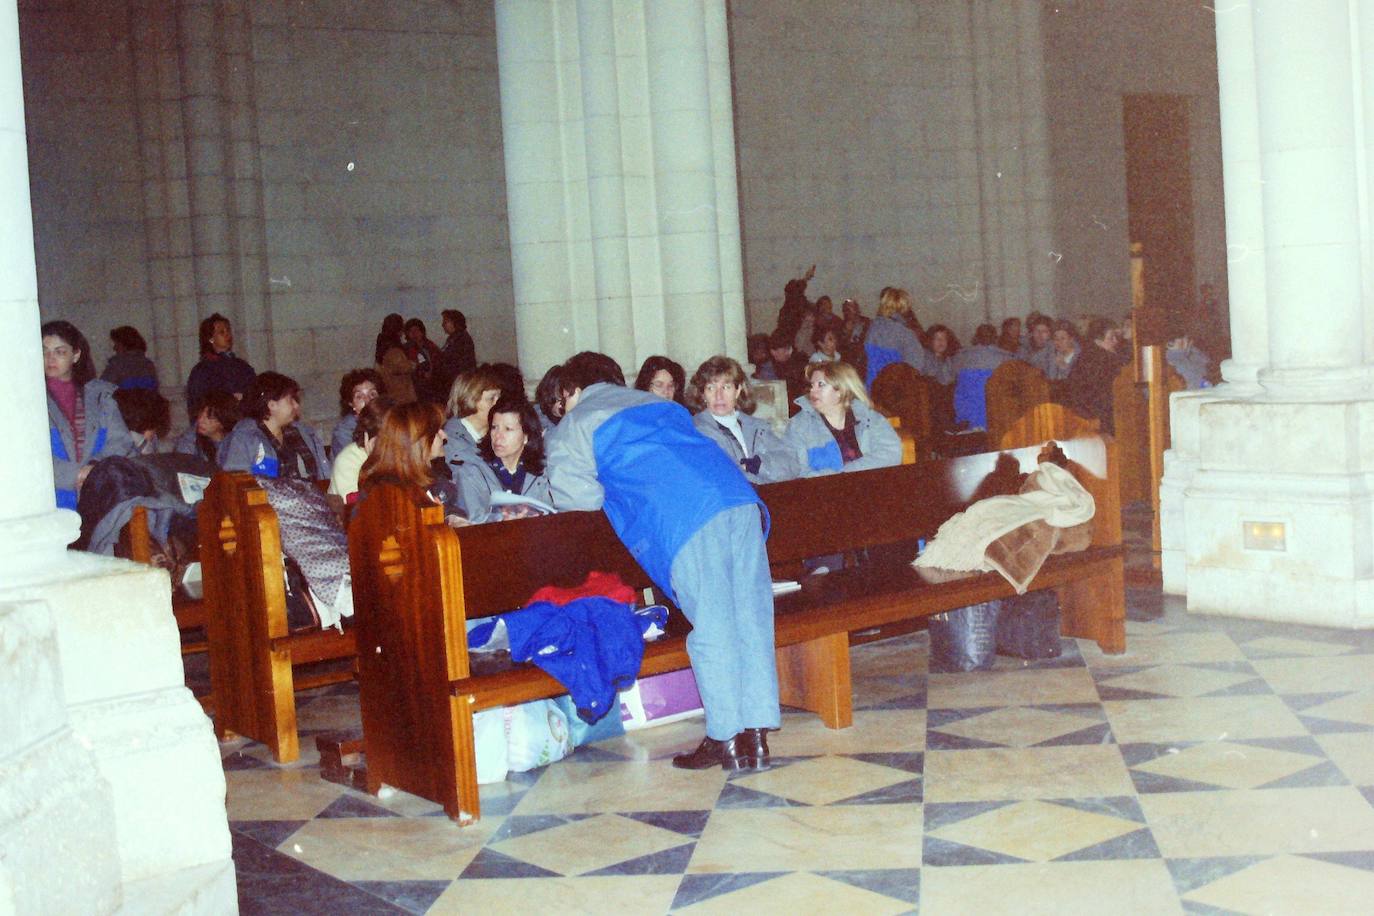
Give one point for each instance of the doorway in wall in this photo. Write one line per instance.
(1159, 203)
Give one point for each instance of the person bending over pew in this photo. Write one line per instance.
(723, 402)
(408, 453)
(548, 399)
(512, 463)
(838, 429)
(690, 517)
(268, 441)
(84, 423)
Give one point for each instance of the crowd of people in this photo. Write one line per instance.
(672, 461)
(1080, 365)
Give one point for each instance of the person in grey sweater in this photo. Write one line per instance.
(723, 403)
(838, 429)
(268, 441)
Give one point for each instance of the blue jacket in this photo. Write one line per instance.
(105, 435)
(592, 646)
(890, 341)
(640, 459)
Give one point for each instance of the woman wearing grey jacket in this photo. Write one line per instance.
(84, 423)
(268, 441)
(838, 429)
(511, 462)
(723, 403)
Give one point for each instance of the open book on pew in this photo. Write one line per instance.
(515, 505)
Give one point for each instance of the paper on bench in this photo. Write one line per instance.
(786, 587)
(502, 498)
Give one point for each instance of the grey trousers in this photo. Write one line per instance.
(723, 586)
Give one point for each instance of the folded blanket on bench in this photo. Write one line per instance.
(1011, 534)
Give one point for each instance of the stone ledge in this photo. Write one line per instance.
(208, 889)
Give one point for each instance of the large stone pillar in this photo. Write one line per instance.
(1278, 515)
(111, 790)
(1246, 278)
(620, 179)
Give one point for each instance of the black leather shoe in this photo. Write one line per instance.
(710, 753)
(752, 749)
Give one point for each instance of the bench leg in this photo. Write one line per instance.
(277, 708)
(815, 675)
(1095, 608)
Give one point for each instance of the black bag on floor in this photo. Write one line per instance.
(1028, 626)
(964, 640)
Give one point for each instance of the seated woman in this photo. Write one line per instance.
(890, 338)
(837, 428)
(512, 462)
(268, 442)
(469, 404)
(214, 416)
(943, 347)
(147, 416)
(825, 344)
(720, 395)
(1056, 359)
(348, 461)
(661, 376)
(84, 423)
(130, 366)
(359, 388)
(409, 441)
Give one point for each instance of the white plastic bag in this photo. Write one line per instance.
(489, 739)
(536, 735)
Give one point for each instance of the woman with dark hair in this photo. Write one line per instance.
(348, 461)
(459, 353)
(719, 393)
(424, 354)
(943, 346)
(548, 399)
(268, 442)
(147, 415)
(661, 376)
(130, 366)
(395, 368)
(211, 421)
(219, 369)
(84, 422)
(410, 439)
(358, 388)
(512, 462)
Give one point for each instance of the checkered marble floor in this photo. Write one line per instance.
(1219, 766)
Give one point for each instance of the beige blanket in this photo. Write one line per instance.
(1013, 534)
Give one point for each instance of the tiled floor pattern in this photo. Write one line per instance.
(1216, 767)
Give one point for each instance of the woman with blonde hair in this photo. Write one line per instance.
(838, 428)
(469, 402)
(410, 439)
(891, 340)
(719, 393)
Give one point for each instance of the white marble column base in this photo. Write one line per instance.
(1180, 464)
(1308, 466)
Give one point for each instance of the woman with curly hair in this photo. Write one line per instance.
(720, 395)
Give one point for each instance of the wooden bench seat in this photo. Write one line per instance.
(417, 582)
(252, 650)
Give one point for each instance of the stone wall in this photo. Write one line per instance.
(893, 144)
(1095, 52)
(345, 162)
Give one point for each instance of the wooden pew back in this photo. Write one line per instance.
(902, 392)
(1044, 422)
(1013, 388)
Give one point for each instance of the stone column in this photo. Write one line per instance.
(35, 533)
(620, 179)
(1278, 514)
(1246, 277)
(111, 789)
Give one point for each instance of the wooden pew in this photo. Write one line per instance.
(1163, 380)
(252, 651)
(417, 582)
(1130, 417)
(189, 612)
(1013, 389)
(904, 394)
(1043, 422)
